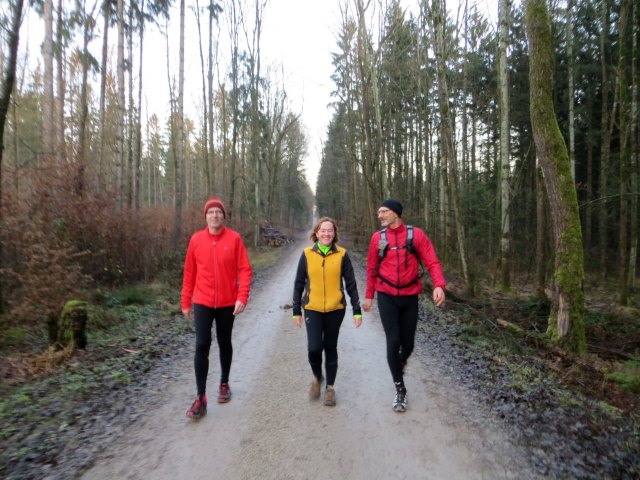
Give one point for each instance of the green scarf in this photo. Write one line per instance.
(325, 250)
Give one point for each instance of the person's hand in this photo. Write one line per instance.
(239, 308)
(298, 320)
(366, 305)
(438, 296)
(186, 312)
(357, 321)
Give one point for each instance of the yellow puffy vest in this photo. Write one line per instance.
(324, 291)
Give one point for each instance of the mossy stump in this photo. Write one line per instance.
(72, 325)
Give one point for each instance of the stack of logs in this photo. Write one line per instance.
(273, 237)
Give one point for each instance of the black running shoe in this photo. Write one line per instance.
(400, 401)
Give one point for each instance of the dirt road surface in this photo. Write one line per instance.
(271, 430)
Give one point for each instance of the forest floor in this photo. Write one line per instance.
(489, 395)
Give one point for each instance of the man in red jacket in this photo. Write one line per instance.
(396, 278)
(215, 286)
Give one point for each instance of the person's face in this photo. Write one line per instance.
(386, 216)
(215, 218)
(326, 233)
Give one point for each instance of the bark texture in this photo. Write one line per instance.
(566, 323)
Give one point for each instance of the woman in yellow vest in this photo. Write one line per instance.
(324, 271)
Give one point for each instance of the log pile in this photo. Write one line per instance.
(273, 237)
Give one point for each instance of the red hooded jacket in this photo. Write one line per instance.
(399, 266)
(217, 271)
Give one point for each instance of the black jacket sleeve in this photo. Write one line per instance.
(298, 285)
(350, 282)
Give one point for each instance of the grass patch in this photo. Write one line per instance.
(134, 295)
(262, 258)
(628, 377)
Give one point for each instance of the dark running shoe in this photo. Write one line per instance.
(224, 395)
(400, 401)
(198, 409)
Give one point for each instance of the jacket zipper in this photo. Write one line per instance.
(215, 275)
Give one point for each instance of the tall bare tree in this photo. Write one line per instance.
(505, 136)
(87, 24)
(446, 137)
(6, 88)
(214, 11)
(634, 148)
(137, 168)
(368, 85)
(607, 121)
(566, 323)
(624, 163)
(60, 47)
(122, 113)
(180, 140)
(48, 125)
(571, 88)
(205, 102)
(256, 149)
(106, 12)
(234, 18)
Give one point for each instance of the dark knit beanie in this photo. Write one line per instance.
(214, 202)
(393, 205)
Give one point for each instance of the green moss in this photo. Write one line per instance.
(73, 305)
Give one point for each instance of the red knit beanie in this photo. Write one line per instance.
(215, 202)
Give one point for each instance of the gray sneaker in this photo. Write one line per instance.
(400, 401)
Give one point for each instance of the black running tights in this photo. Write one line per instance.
(322, 334)
(204, 317)
(399, 317)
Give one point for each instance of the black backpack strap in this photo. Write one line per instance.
(383, 245)
(383, 248)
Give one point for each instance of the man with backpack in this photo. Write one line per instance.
(393, 270)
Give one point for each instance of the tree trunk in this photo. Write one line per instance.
(48, 121)
(505, 134)
(205, 103)
(180, 138)
(235, 107)
(80, 186)
(60, 147)
(366, 74)
(566, 323)
(624, 168)
(211, 184)
(131, 115)
(138, 157)
(448, 152)
(121, 109)
(570, 88)
(106, 11)
(541, 234)
(6, 88)
(71, 328)
(635, 150)
(606, 127)
(256, 149)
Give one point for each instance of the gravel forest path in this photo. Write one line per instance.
(270, 429)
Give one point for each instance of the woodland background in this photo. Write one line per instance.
(516, 148)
